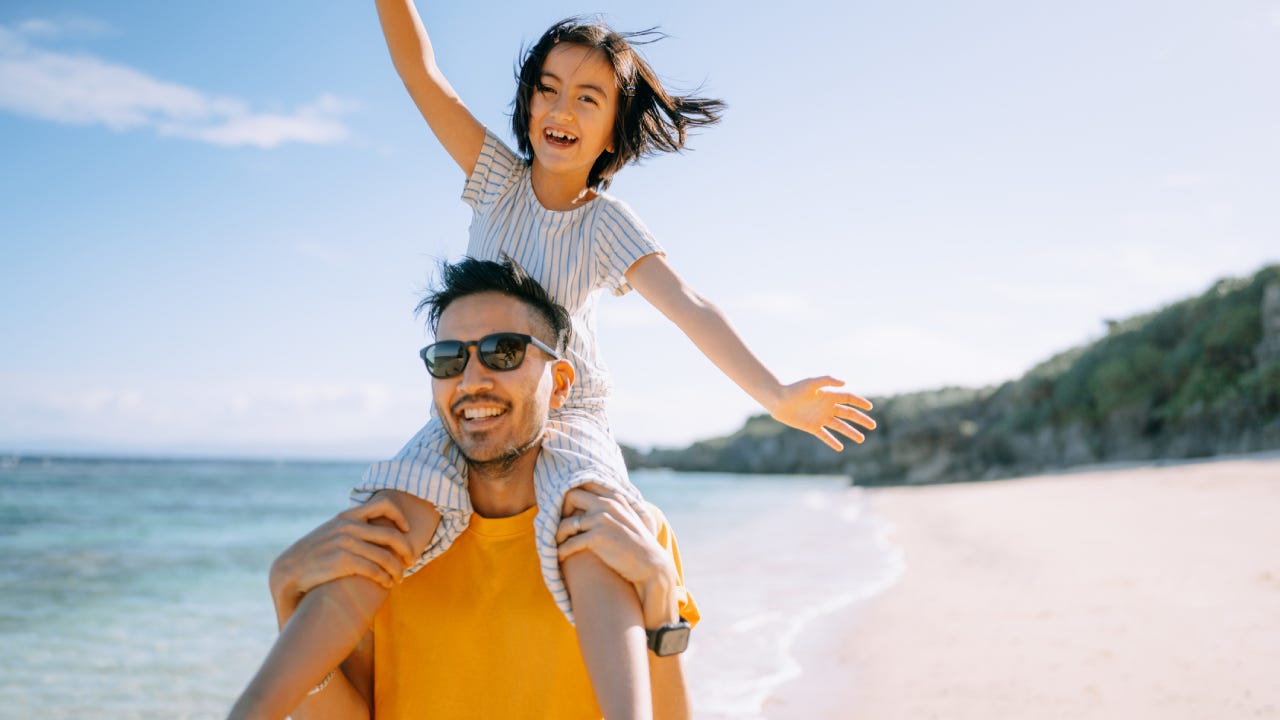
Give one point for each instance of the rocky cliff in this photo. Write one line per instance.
(1195, 379)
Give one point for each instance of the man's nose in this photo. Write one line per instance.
(475, 374)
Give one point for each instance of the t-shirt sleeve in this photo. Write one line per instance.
(621, 240)
(667, 539)
(495, 169)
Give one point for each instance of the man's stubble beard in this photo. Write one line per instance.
(501, 465)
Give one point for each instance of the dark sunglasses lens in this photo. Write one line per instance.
(502, 352)
(445, 359)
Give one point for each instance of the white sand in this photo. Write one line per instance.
(1150, 592)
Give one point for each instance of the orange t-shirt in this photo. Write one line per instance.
(475, 634)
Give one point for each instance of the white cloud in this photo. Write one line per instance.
(64, 26)
(78, 89)
(68, 412)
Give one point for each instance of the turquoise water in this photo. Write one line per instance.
(137, 589)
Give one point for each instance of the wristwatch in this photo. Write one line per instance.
(669, 639)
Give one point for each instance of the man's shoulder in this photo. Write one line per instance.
(658, 523)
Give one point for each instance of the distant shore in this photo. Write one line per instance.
(1125, 592)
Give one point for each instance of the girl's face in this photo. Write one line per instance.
(572, 111)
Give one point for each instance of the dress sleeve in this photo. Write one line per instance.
(667, 539)
(621, 239)
(495, 169)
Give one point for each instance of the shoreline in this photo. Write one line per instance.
(1137, 591)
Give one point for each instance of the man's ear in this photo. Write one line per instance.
(562, 375)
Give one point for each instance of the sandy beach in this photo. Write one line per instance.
(1140, 592)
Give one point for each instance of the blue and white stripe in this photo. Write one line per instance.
(575, 254)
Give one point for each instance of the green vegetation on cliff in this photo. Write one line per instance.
(1198, 378)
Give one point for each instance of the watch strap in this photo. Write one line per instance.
(655, 637)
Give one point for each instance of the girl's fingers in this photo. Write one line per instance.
(825, 436)
(857, 401)
(848, 413)
(848, 431)
(817, 383)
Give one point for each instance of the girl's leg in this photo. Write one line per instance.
(605, 608)
(328, 623)
(430, 467)
(611, 636)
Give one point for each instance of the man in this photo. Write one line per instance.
(475, 633)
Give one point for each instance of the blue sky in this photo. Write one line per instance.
(215, 219)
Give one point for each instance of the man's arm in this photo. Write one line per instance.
(371, 544)
(659, 601)
(349, 693)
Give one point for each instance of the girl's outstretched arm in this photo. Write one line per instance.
(454, 125)
(812, 405)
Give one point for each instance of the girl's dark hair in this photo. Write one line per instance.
(470, 276)
(649, 121)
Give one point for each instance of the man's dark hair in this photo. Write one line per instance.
(650, 118)
(470, 276)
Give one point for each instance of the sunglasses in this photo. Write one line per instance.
(499, 351)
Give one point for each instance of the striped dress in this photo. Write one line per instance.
(574, 254)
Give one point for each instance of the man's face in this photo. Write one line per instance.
(495, 415)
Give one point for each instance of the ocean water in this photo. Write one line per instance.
(137, 589)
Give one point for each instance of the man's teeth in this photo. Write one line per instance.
(476, 413)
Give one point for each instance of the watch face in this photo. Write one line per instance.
(672, 640)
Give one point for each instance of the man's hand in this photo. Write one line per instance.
(600, 519)
(350, 543)
(816, 407)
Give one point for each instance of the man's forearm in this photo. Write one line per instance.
(670, 695)
(328, 624)
(660, 605)
(339, 700)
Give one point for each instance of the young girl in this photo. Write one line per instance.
(586, 105)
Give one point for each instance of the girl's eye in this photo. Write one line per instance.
(588, 99)
(546, 89)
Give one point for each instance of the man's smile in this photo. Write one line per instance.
(475, 413)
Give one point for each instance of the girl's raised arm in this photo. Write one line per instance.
(454, 125)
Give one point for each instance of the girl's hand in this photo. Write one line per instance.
(816, 407)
